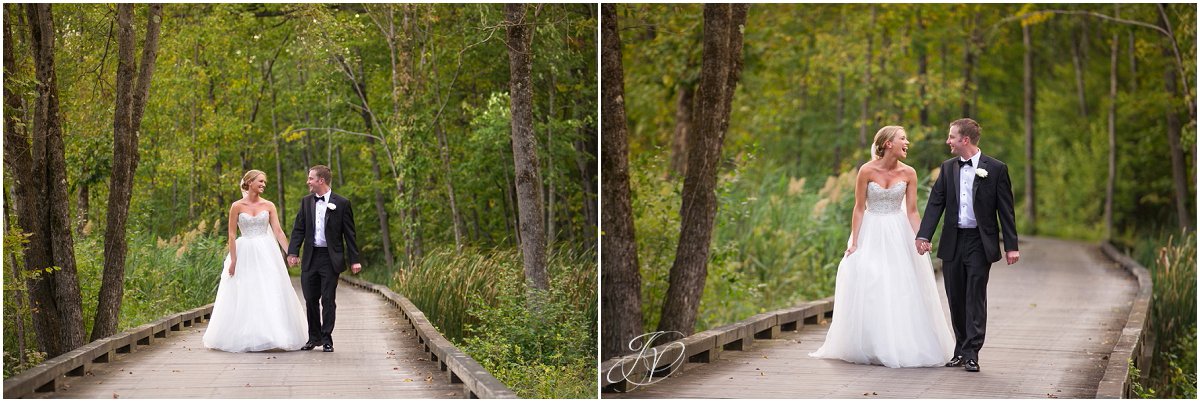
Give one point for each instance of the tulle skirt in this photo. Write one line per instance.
(886, 305)
(256, 309)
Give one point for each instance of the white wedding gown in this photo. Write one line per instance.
(886, 308)
(256, 309)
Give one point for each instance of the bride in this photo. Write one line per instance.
(886, 306)
(256, 308)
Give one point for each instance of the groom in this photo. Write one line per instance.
(325, 226)
(976, 190)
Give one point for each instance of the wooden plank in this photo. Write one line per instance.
(377, 356)
(1053, 321)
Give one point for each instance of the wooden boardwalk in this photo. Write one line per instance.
(1052, 322)
(377, 356)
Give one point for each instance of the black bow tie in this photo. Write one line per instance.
(320, 198)
(962, 162)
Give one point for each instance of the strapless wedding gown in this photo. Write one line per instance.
(886, 308)
(256, 309)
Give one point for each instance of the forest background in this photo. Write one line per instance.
(409, 104)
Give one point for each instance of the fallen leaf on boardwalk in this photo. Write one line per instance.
(407, 380)
(764, 356)
(247, 384)
(762, 374)
(452, 394)
(395, 368)
(131, 373)
(1051, 396)
(115, 396)
(874, 393)
(866, 393)
(430, 379)
(1033, 305)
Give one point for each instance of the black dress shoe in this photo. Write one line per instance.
(329, 348)
(972, 366)
(957, 361)
(309, 346)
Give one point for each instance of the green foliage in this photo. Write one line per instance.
(162, 276)
(1171, 259)
(542, 345)
(477, 299)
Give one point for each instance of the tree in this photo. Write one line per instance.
(720, 71)
(1030, 107)
(524, 145)
(621, 303)
(132, 90)
(1179, 176)
(35, 160)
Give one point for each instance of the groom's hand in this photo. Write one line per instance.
(1012, 257)
(922, 246)
(292, 260)
(356, 268)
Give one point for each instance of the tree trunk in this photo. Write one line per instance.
(524, 145)
(131, 103)
(621, 301)
(1030, 107)
(1110, 188)
(586, 163)
(41, 201)
(1179, 176)
(359, 85)
(922, 69)
(448, 172)
(1077, 61)
(279, 179)
(969, 68)
(81, 207)
(720, 72)
(550, 114)
(683, 126)
(864, 117)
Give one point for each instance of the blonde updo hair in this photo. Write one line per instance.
(885, 134)
(248, 177)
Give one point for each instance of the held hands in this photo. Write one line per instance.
(292, 260)
(356, 268)
(923, 246)
(1012, 256)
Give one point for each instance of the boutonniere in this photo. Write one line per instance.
(333, 206)
(981, 173)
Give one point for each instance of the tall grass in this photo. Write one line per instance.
(477, 299)
(777, 240)
(161, 277)
(1171, 259)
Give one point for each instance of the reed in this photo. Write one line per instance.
(1171, 259)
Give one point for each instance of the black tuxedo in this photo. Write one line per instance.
(320, 266)
(967, 254)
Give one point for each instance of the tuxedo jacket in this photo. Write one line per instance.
(993, 203)
(339, 232)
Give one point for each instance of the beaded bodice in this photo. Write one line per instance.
(254, 225)
(882, 200)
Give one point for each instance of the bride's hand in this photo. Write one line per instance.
(232, 265)
(851, 249)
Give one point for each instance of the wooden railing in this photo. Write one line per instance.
(705, 347)
(1130, 347)
(49, 376)
(477, 381)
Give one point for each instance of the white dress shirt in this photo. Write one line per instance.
(966, 192)
(322, 206)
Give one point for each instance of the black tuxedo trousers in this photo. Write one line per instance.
(966, 277)
(319, 283)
